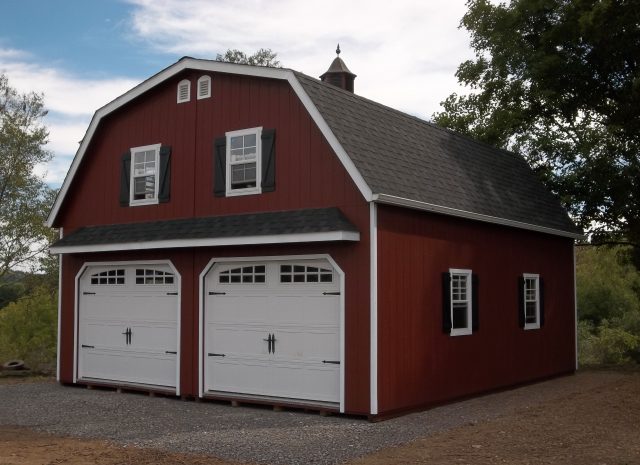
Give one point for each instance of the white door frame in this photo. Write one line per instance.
(84, 267)
(214, 261)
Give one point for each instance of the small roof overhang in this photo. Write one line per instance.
(296, 226)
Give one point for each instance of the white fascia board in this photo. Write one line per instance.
(211, 242)
(418, 205)
(346, 161)
(212, 66)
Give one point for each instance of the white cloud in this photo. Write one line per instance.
(405, 53)
(71, 101)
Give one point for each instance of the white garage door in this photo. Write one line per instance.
(272, 328)
(127, 329)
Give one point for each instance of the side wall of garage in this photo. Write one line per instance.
(420, 364)
(352, 258)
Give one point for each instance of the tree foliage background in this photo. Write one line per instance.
(25, 199)
(27, 299)
(558, 82)
(262, 57)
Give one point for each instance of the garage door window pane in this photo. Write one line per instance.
(150, 276)
(109, 277)
(305, 274)
(245, 275)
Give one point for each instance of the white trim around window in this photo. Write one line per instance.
(183, 92)
(145, 169)
(244, 162)
(204, 87)
(531, 304)
(461, 299)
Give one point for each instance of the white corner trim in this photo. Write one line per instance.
(373, 265)
(575, 305)
(207, 66)
(212, 242)
(59, 311)
(201, 322)
(418, 205)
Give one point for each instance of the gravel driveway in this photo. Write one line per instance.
(246, 434)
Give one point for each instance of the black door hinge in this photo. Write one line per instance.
(216, 355)
(84, 346)
(333, 362)
(170, 352)
(172, 293)
(88, 293)
(330, 293)
(217, 293)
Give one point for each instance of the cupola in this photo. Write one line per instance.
(338, 74)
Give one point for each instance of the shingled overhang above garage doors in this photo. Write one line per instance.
(307, 225)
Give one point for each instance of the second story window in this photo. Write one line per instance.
(144, 180)
(244, 162)
(145, 175)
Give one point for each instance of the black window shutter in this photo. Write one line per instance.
(164, 189)
(520, 305)
(219, 166)
(446, 302)
(268, 160)
(475, 310)
(541, 284)
(125, 178)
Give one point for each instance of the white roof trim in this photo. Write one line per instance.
(213, 66)
(211, 242)
(418, 205)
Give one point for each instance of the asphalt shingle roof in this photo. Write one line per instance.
(213, 227)
(404, 156)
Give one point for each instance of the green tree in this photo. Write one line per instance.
(28, 329)
(608, 294)
(263, 57)
(25, 199)
(558, 82)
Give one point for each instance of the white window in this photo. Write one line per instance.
(531, 304)
(144, 179)
(184, 91)
(147, 276)
(204, 87)
(244, 275)
(108, 277)
(243, 162)
(305, 274)
(461, 301)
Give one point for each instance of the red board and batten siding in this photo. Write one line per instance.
(418, 364)
(308, 175)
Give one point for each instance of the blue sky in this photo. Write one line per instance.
(83, 54)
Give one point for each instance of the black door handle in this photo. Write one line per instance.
(127, 334)
(269, 340)
(273, 343)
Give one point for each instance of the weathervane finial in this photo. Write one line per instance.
(338, 50)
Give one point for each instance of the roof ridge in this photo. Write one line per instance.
(408, 115)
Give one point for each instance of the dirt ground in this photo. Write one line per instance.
(597, 426)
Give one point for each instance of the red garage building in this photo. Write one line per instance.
(240, 232)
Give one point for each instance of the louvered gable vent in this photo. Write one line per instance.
(204, 87)
(184, 91)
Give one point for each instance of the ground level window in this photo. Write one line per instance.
(460, 315)
(530, 301)
(243, 275)
(150, 276)
(108, 277)
(305, 274)
(460, 302)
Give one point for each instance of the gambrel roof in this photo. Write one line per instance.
(392, 157)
